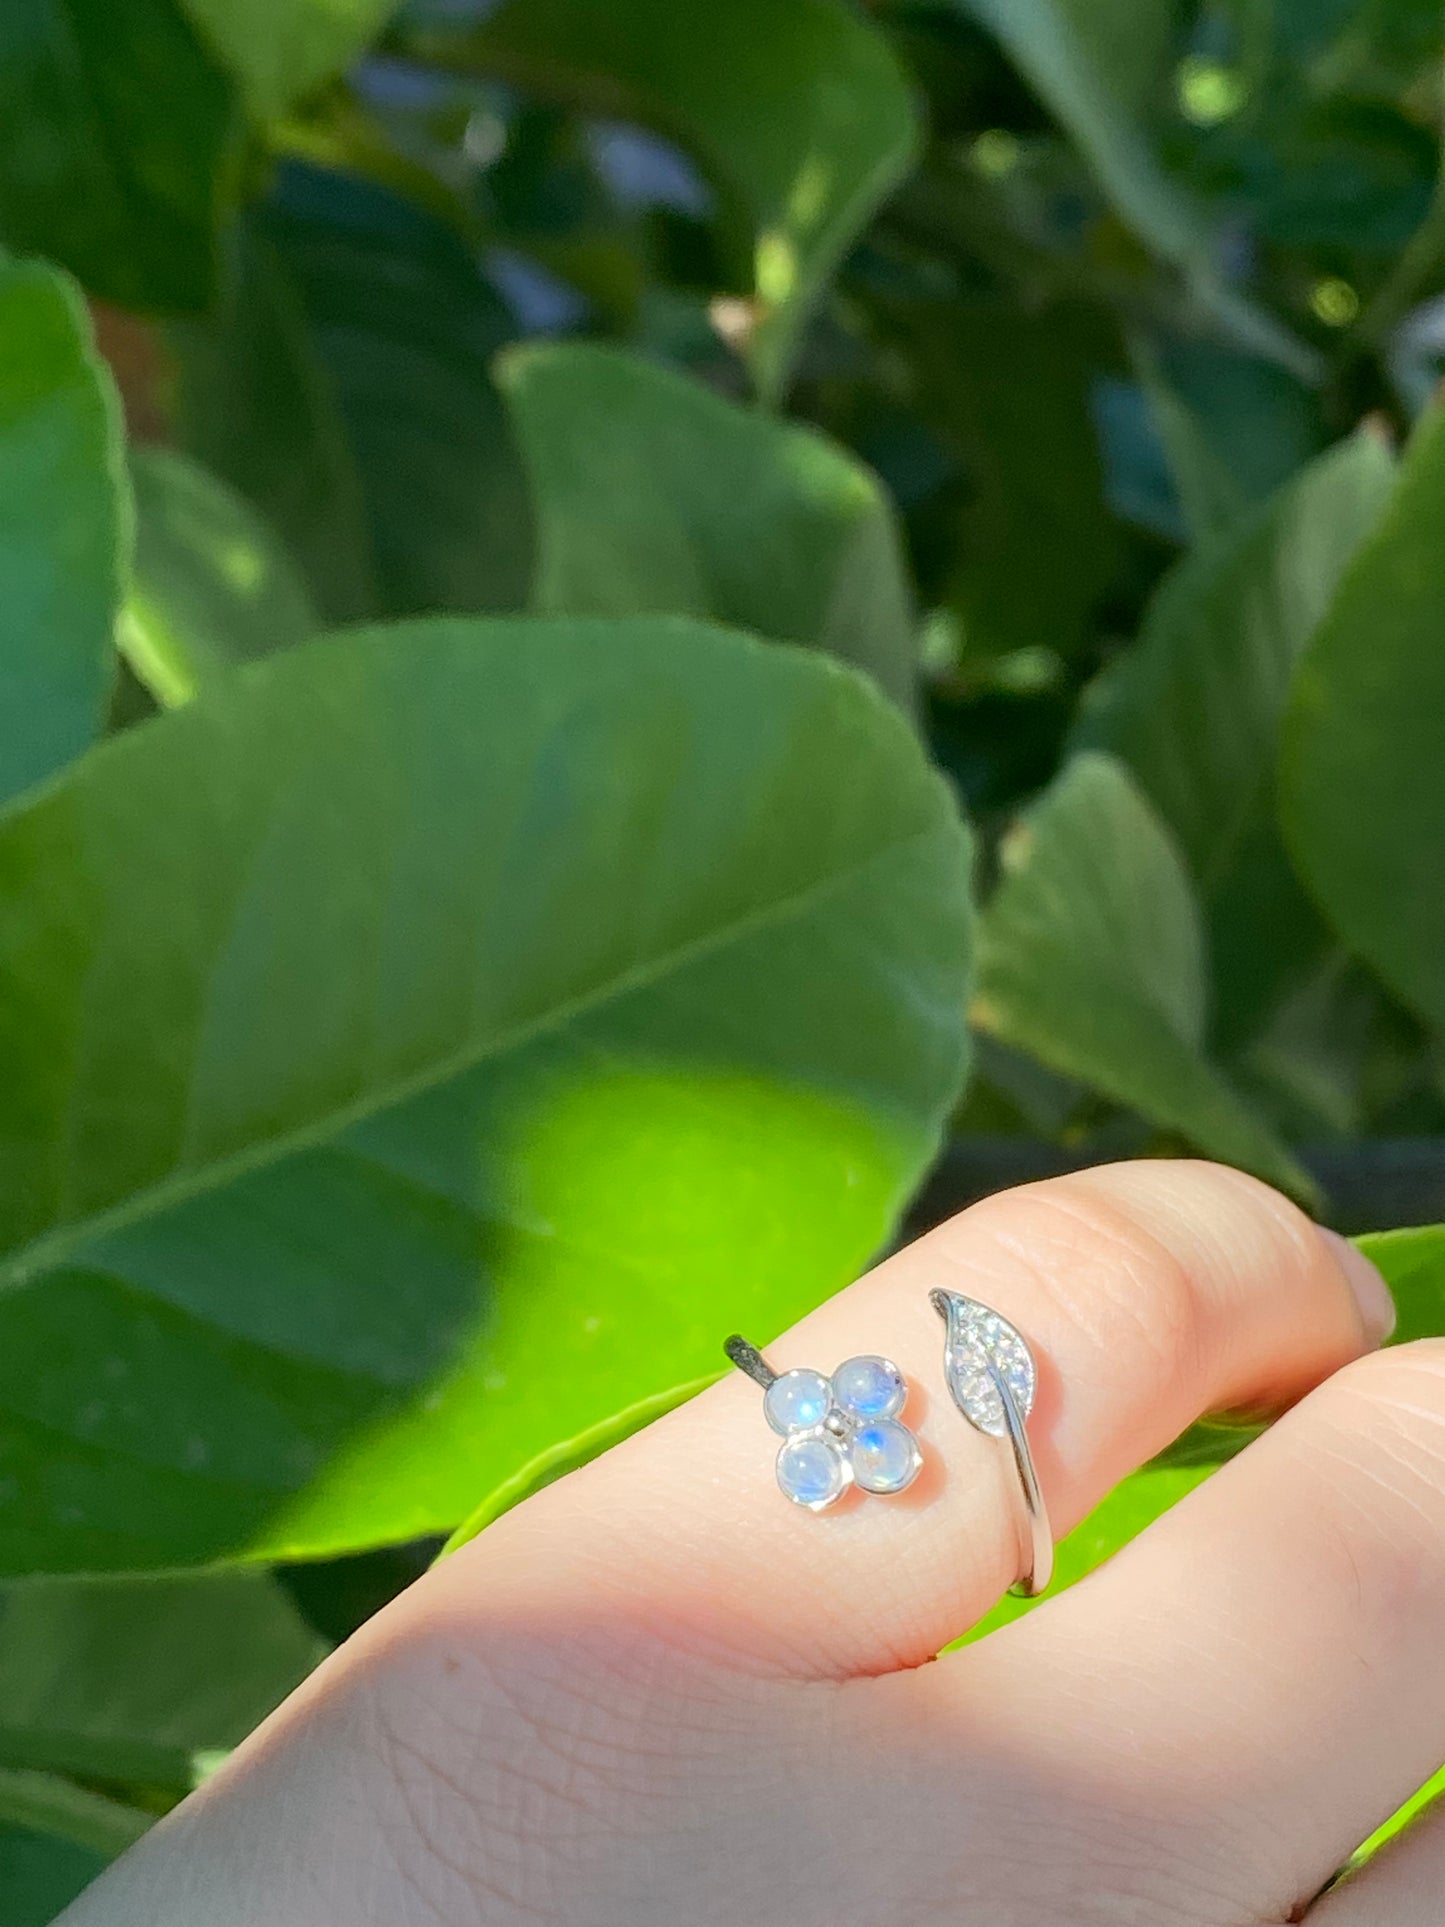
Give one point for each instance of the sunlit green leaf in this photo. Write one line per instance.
(358, 1058)
(796, 108)
(64, 526)
(211, 584)
(1361, 796)
(1091, 957)
(118, 132)
(652, 494)
(1413, 1262)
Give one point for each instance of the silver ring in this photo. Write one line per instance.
(991, 1374)
(838, 1430)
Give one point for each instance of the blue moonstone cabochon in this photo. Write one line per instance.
(813, 1471)
(885, 1455)
(798, 1401)
(869, 1387)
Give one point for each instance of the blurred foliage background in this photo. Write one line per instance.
(527, 532)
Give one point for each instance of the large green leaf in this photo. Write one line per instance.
(64, 524)
(118, 126)
(281, 50)
(1361, 798)
(1091, 957)
(418, 1048)
(143, 1679)
(1194, 707)
(653, 494)
(796, 108)
(211, 585)
(342, 386)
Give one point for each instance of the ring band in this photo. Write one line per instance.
(992, 1377)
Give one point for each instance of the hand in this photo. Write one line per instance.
(658, 1694)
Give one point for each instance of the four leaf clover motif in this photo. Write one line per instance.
(842, 1431)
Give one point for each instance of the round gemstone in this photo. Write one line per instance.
(797, 1401)
(870, 1388)
(812, 1471)
(885, 1456)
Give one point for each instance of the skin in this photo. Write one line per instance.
(659, 1694)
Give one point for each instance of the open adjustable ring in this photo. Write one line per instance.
(991, 1374)
(837, 1432)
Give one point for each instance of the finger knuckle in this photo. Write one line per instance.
(1378, 1448)
(1395, 1399)
(1115, 1282)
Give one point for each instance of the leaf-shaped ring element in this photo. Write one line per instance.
(991, 1374)
(838, 1431)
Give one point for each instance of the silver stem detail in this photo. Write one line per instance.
(749, 1359)
(991, 1376)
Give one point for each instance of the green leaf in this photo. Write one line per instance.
(1194, 708)
(64, 526)
(797, 109)
(40, 1875)
(282, 50)
(211, 584)
(1266, 936)
(1413, 1262)
(45, 1803)
(143, 1679)
(1235, 426)
(652, 494)
(342, 386)
(1361, 800)
(1038, 549)
(118, 135)
(1083, 60)
(634, 957)
(1091, 957)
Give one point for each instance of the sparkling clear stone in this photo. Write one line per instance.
(798, 1401)
(812, 1471)
(885, 1456)
(869, 1388)
(977, 1335)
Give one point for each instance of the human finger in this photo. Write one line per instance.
(1150, 1293)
